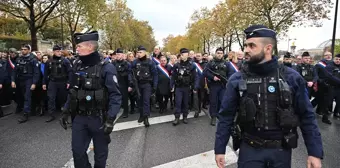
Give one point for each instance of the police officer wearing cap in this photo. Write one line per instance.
(58, 73)
(96, 100)
(185, 79)
(145, 72)
(269, 101)
(5, 84)
(124, 77)
(24, 78)
(306, 70)
(287, 60)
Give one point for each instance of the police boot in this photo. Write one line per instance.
(326, 120)
(185, 119)
(146, 121)
(23, 119)
(176, 121)
(141, 119)
(213, 121)
(50, 118)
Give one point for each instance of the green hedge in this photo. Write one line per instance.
(7, 42)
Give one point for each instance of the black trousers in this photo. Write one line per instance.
(125, 98)
(324, 97)
(162, 100)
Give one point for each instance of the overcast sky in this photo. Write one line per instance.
(172, 16)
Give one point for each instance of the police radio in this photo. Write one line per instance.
(285, 94)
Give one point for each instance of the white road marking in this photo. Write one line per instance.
(202, 160)
(154, 120)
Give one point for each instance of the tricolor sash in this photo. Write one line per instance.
(234, 66)
(11, 63)
(156, 60)
(199, 68)
(322, 64)
(163, 70)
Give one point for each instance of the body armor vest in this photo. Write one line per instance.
(57, 69)
(219, 67)
(266, 104)
(24, 65)
(143, 71)
(90, 95)
(306, 72)
(122, 68)
(336, 71)
(184, 76)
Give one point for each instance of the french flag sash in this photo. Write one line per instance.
(322, 64)
(156, 60)
(199, 68)
(234, 66)
(163, 70)
(11, 63)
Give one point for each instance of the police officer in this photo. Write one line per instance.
(336, 89)
(147, 78)
(216, 71)
(124, 77)
(96, 99)
(288, 60)
(24, 78)
(5, 83)
(184, 77)
(58, 73)
(306, 70)
(326, 80)
(267, 118)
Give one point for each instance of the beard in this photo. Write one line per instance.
(255, 59)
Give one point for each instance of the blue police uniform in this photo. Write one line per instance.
(147, 77)
(96, 100)
(58, 75)
(257, 95)
(25, 73)
(5, 81)
(336, 90)
(185, 79)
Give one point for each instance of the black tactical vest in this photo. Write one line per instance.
(336, 71)
(24, 65)
(90, 93)
(184, 75)
(57, 69)
(219, 67)
(122, 68)
(265, 95)
(143, 71)
(306, 72)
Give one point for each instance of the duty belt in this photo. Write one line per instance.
(89, 113)
(257, 142)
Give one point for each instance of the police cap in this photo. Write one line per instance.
(287, 55)
(183, 50)
(119, 50)
(259, 31)
(141, 48)
(82, 37)
(338, 55)
(56, 47)
(305, 54)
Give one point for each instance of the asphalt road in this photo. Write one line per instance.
(37, 144)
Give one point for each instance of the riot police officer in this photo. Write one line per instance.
(306, 70)
(288, 60)
(336, 89)
(5, 83)
(124, 77)
(145, 72)
(25, 76)
(268, 110)
(183, 77)
(96, 100)
(58, 73)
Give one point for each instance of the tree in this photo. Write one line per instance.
(34, 12)
(337, 47)
(10, 26)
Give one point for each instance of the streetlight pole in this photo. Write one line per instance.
(288, 43)
(334, 26)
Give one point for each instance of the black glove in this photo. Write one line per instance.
(108, 126)
(63, 121)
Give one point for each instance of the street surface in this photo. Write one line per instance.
(37, 144)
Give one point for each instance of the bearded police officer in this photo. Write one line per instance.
(185, 79)
(270, 101)
(306, 70)
(96, 100)
(124, 77)
(58, 73)
(25, 76)
(145, 72)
